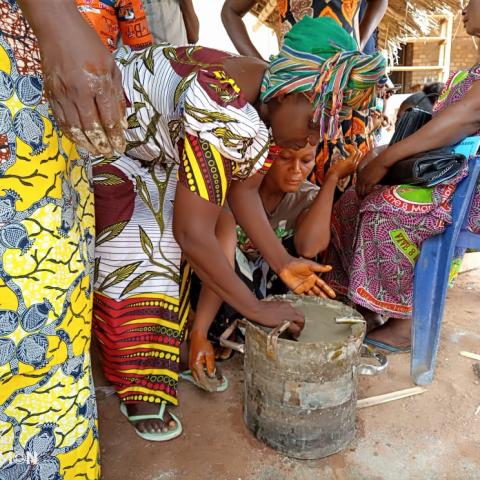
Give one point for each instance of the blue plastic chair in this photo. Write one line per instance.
(433, 268)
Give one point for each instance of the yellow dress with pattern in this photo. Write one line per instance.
(48, 421)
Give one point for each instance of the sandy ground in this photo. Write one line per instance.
(434, 436)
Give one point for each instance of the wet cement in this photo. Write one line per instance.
(320, 325)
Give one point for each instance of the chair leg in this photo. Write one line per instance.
(430, 286)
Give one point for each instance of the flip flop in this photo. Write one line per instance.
(215, 385)
(155, 436)
(386, 346)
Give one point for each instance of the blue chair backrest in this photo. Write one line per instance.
(469, 146)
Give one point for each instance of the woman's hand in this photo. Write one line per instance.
(369, 175)
(386, 122)
(84, 87)
(376, 120)
(346, 166)
(81, 79)
(200, 357)
(300, 276)
(275, 313)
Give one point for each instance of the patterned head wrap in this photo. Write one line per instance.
(320, 58)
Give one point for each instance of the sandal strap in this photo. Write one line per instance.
(148, 416)
(161, 412)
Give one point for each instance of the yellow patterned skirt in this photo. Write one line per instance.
(48, 423)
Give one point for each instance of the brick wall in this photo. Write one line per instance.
(464, 54)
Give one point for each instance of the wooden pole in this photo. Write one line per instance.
(389, 397)
(470, 355)
(416, 68)
(448, 47)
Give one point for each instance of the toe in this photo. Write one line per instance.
(141, 427)
(151, 427)
(169, 422)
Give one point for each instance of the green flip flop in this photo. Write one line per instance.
(215, 384)
(155, 436)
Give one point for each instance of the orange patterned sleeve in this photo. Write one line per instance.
(133, 23)
(112, 18)
(102, 18)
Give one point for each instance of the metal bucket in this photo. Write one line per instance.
(300, 398)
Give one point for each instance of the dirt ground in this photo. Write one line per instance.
(433, 436)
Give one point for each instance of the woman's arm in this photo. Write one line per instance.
(194, 224)
(298, 274)
(192, 25)
(209, 302)
(312, 231)
(448, 127)
(247, 207)
(201, 353)
(373, 16)
(232, 13)
(82, 81)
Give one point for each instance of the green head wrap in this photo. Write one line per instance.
(320, 58)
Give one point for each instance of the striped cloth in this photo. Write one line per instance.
(321, 59)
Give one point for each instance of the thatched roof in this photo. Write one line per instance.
(412, 18)
(404, 18)
(267, 13)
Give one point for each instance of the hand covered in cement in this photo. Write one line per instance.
(84, 87)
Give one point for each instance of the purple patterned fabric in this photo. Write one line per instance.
(474, 217)
(376, 242)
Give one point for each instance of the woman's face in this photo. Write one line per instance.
(291, 119)
(471, 17)
(290, 168)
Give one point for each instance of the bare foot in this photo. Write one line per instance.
(153, 425)
(395, 332)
